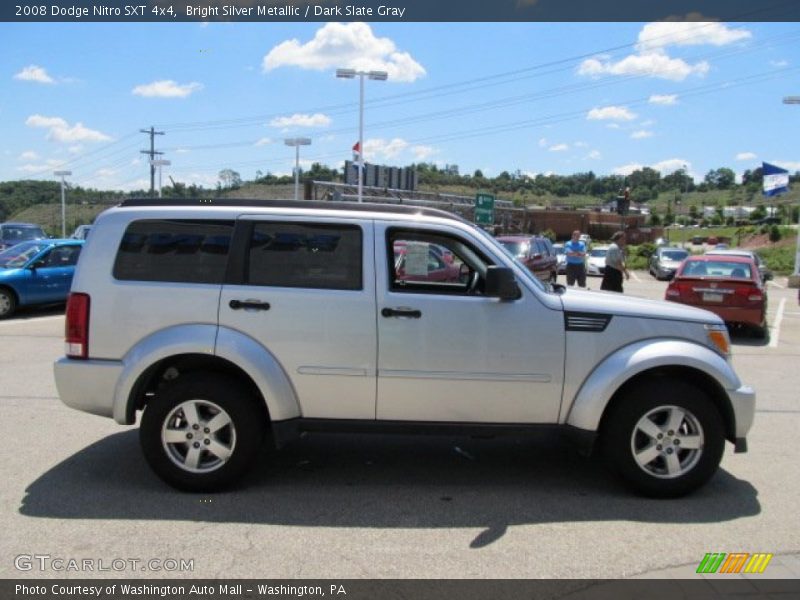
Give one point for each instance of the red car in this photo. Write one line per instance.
(439, 265)
(536, 253)
(729, 286)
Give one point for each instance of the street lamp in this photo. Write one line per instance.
(296, 143)
(376, 76)
(159, 163)
(63, 174)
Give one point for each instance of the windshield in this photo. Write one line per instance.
(716, 268)
(676, 255)
(18, 233)
(17, 256)
(516, 248)
(530, 277)
(599, 252)
(559, 249)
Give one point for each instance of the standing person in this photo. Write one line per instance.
(615, 264)
(575, 250)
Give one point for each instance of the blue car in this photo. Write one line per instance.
(36, 272)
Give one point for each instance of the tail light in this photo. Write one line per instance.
(752, 294)
(676, 289)
(77, 326)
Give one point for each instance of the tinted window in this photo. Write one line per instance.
(63, 256)
(190, 251)
(299, 255)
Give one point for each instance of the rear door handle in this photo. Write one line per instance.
(248, 304)
(401, 312)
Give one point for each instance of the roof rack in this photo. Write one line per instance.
(299, 204)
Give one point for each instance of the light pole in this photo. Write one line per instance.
(159, 163)
(296, 143)
(794, 280)
(376, 76)
(63, 174)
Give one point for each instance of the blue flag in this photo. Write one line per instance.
(776, 180)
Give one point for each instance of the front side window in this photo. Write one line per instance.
(180, 251)
(301, 255)
(425, 262)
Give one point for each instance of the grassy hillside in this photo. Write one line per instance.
(49, 216)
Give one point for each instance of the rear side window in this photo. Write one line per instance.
(300, 255)
(181, 251)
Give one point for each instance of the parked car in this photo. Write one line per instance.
(763, 269)
(303, 322)
(421, 261)
(729, 286)
(535, 252)
(665, 261)
(14, 233)
(81, 232)
(561, 258)
(36, 272)
(596, 261)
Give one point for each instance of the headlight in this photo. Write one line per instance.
(719, 339)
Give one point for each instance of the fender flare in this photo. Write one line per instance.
(238, 349)
(615, 370)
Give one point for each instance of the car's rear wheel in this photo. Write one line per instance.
(8, 303)
(665, 438)
(202, 432)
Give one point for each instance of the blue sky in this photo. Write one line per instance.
(533, 97)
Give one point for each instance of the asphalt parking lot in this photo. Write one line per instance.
(75, 486)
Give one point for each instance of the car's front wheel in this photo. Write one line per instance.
(202, 432)
(665, 438)
(8, 303)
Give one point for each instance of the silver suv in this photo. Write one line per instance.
(227, 323)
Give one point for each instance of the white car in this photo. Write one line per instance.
(561, 258)
(596, 261)
(230, 322)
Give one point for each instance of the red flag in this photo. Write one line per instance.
(357, 147)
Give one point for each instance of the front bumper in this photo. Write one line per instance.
(88, 385)
(743, 402)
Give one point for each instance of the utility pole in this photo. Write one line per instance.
(794, 278)
(152, 152)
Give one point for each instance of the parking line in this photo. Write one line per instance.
(777, 285)
(32, 320)
(635, 277)
(776, 328)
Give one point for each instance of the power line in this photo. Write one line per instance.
(152, 152)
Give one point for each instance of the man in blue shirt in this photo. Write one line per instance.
(575, 250)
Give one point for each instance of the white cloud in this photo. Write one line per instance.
(779, 63)
(654, 37)
(29, 155)
(263, 141)
(543, 143)
(422, 152)
(581, 144)
(559, 148)
(182, 151)
(663, 99)
(651, 58)
(61, 131)
(346, 45)
(300, 120)
(665, 167)
(652, 65)
(47, 165)
(77, 149)
(611, 113)
(641, 134)
(166, 88)
(595, 155)
(746, 156)
(105, 173)
(613, 125)
(647, 123)
(34, 73)
(787, 164)
(380, 148)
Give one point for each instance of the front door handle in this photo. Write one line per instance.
(251, 304)
(401, 312)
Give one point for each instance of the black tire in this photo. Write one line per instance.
(660, 400)
(8, 303)
(210, 395)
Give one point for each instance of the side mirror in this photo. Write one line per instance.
(500, 283)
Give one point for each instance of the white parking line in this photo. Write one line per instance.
(32, 320)
(776, 328)
(777, 285)
(634, 276)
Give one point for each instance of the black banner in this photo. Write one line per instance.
(399, 10)
(388, 589)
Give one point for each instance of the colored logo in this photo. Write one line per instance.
(736, 562)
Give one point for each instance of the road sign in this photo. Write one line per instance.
(484, 209)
